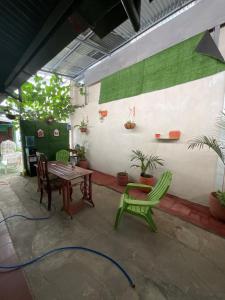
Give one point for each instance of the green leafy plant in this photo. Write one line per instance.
(81, 152)
(83, 125)
(41, 100)
(217, 145)
(145, 162)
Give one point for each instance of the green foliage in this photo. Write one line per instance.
(41, 100)
(211, 143)
(217, 145)
(83, 124)
(80, 151)
(145, 162)
(221, 197)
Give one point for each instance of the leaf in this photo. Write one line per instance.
(211, 143)
(41, 99)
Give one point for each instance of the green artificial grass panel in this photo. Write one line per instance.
(125, 83)
(175, 65)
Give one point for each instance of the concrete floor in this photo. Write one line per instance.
(180, 261)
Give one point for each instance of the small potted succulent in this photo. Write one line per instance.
(82, 161)
(82, 126)
(146, 163)
(122, 178)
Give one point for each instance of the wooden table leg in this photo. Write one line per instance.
(89, 191)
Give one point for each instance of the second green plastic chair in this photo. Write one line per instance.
(143, 208)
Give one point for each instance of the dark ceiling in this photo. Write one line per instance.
(20, 21)
(33, 32)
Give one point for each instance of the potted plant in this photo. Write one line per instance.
(146, 163)
(122, 178)
(82, 126)
(216, 199)
(129, 125)
(81, 152)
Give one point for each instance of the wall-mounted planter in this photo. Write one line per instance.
(103, 113)
(173, 135)
(83, 129)
(129, 125)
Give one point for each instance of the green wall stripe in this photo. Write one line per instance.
(175, 65)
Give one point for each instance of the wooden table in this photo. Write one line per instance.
(67, 173)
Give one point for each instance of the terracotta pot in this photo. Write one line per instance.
(103, 113)
(175, 134)
(147, 180)
(216, 209)
(83, 164)
(83, 129)
(129, 125)
(122, 178)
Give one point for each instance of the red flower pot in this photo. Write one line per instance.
(122, 178)
(174, 134)
(216, 209)
(83, 164)
(150, 180)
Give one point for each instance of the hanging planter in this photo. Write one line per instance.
(82, 126)
(83, 129)
(130, 125)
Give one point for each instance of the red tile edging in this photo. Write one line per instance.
(194, 213)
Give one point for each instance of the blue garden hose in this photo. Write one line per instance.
(55, 250)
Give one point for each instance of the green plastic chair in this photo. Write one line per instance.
(143, 208)
(63, 156)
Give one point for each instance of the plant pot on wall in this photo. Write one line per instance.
(216, 209)
(83, 129)
(122, 178)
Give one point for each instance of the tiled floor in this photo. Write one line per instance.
(12, 283)
(191, 212)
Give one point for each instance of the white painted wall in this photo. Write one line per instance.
(192, 107)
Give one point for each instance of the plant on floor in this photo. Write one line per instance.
(81, 155)
(122, 178)
(217, 199)
(42, 99)
(146, 163)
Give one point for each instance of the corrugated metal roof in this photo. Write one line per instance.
(88, 49)
(19, 23)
